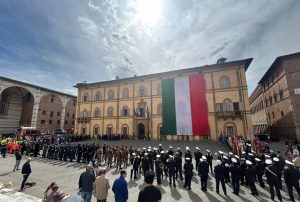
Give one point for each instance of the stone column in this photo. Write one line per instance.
(36, 106)
(63, 112)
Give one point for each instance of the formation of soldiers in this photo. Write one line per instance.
(246, 169)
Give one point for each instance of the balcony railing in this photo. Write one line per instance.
(83, 119)
(228, 113)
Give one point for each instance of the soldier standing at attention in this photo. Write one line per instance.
(219, 175)
(172, 170)
(203, 169)
(251, 175)
(291, 178)
(236, 173)
(271, 173)
(188, 173)
(158, 168)
(209, 159)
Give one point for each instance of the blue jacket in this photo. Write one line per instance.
(120, 189)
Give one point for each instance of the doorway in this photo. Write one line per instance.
(141, 131)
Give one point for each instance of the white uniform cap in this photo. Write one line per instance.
(226, 165)
(225, 157)
(289, 162)
(204, 157)
(144, 148)
(157, 156)
(187, 148)
(159, 145)
(218, 162)
(275, 159)
(171, 156)
(154, 148)
(268, 161)
(149, 149)
(243, 152)
(208, 151)
(187, 158)
(201, 160)
(236, 156)
(267, 156)
(248, 162)
(220, 152)
(170, 147)
(146, 154)
(257, 159)
(250, 154)
(133, 154)
(197, 148)
(234, 160)
(162, 152)
(178, 148)
(230, 153)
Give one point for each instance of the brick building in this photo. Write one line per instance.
(135, 106)
(280, 87)
(24, 104)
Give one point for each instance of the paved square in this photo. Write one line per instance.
(66, 174)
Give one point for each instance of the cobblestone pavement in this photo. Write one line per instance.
(66, 174)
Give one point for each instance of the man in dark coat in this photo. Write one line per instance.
(209, 159)
(26, 170)
(198, 156)
(260, 170)
(219, 171)
(203, 169)
(158, 169)
(172, 170)
(272, 175)
(236, 172)
(291, 178)
(178, 161)
(251, 176)
(188, 173)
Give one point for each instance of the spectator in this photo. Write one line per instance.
(64, 197)
(150, 193)
(120, 188)
(26, 170)
(101, 186)
(18, 160)
(86, 181)
(50, 191)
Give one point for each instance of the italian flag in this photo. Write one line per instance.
(184, 107)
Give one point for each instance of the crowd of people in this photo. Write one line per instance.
(246, 168)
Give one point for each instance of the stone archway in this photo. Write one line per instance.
(16, 107)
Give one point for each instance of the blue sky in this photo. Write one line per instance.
(58, 43)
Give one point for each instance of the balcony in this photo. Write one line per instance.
(228, 114)
(83, 119)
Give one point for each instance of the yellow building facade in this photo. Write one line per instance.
(133, 106)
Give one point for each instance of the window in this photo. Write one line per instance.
(83, 131)
(110, 111)
(58, 122)
(44, 113)
(266, 101)
(96, 130)
(275, 97)
(85, 114)
(281, 94)
(74, 104)
(111, 95)
(58, 113)
(73, 122)
(142, 91)
(159, 89)
(68, 114)
(271, 100)
(229, 130)
(282, 114)
(98, 96)
(227, 105)
(124, 130)
(273, 114)
(51, 114)
(125, 111)
(159, 108)
(52, 99)
(43, 121)
(109, 130)
(125, 93)
(73, 116)
(4, 103)
(85, 97)
(50, 122)
(269, 116)
(224, 82)
(97, 112)
(66, 122)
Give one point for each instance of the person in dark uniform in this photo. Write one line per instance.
(272, 175)
(243, 167)
(260, 170)
(132, 158)
(197, 157)
(136, 165)
(61, 152)
(209, 159)
(219, 171)
(72, 153)
(279, 168)
(66, 153)
(158, 168)
(79, 153)
(164, 158)
(188, 153)
(235, 176)
(203, 169)
(172, 170)
(84, 154)
(171, 152)
(188, 173)
(178, 161)
(145, 164)
(291, 178)
(251, 176)
(179, 151)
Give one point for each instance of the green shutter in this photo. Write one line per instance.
(168, 108)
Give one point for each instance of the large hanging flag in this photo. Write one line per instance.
(184, 106)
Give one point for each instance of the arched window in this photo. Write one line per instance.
(224, 82)
(125, 93)
(85, 113)
(125, 129)
(142, 91)
(96, 130)
(159, 89)
(227, 105)
(110, 111)
(125, 111)
(98, 96)
(159, 108)
(85, 97)
(111, 95)
(97, 113)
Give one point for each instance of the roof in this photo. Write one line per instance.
(276, 62)
(245, 62)
(36, 86)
